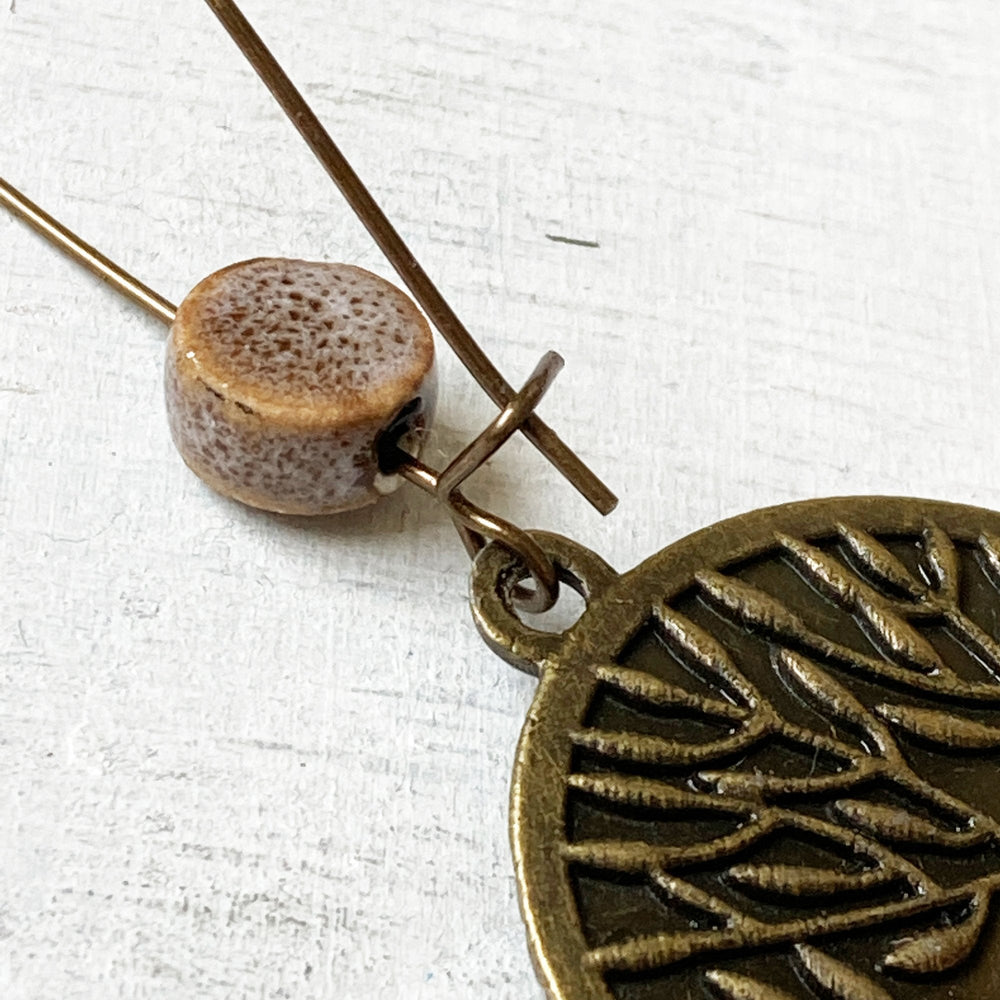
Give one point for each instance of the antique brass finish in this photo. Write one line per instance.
(763, 764)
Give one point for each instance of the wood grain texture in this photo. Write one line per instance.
(246, 756)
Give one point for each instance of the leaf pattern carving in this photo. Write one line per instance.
(880, 562)
(898, 640)
(839, 980)
(901, 827)
(733, 986)
(830, 695)
(942, 560)
(940, 948)
(856, 706)
(801, 880)
(943, 729)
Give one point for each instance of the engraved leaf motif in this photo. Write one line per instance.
(703, 649)
(880, 562)
(646, 793)
(902, 827)
(752, 606)
(612, 855)
(901, 640)
(733, 986)
(643, 748)
(942, 560)
(830, 694)
(989, 545)
(941, 728)
(824, 571)
(638, 856)
(839, 980)
(940, 948)
(653, 691)
(655, 950)
(687, 892)
(897, 638)
(800, 880)
(756, 786)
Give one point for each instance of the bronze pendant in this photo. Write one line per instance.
(763, 764)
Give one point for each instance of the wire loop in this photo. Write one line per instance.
(475, 525)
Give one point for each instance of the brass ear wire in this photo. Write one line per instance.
(475, 524)
(428, 297)
(83, 253)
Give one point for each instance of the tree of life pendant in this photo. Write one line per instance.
(762, 765)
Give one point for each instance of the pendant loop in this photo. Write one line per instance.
(495, 577)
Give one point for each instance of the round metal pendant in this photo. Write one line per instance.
(764, 764)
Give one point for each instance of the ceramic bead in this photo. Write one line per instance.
(283, 375)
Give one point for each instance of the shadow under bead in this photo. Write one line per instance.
(283, 375)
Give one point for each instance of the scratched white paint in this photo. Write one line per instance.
(245, 756)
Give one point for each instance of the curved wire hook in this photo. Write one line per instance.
(476, 525)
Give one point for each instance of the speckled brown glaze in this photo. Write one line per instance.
(282, 374)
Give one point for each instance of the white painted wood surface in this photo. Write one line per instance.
(246, 756)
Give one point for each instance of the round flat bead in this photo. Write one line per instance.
(282, 375)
